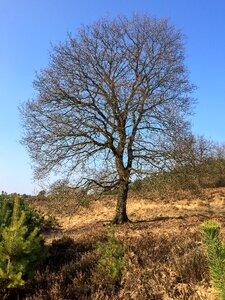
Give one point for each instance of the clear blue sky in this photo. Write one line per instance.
(28, 27)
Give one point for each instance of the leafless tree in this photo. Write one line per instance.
(193, 150)
(201, 160)
(112, 99)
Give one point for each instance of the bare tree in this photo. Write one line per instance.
(200, 162)
(111, 100)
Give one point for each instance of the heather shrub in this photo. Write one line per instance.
(21, 244)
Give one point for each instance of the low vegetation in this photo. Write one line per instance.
(160, 255)
(163, 253)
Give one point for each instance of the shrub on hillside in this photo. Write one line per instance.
(207, 174)
(61, 191)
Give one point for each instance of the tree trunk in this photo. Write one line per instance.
(121, 207)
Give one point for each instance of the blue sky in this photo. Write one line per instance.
(29, 27)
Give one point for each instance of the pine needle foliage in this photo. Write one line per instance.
(21, 246)
(33, 218)
(215, 252)
(111, 262)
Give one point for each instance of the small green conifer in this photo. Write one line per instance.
(20, 248)
(111, 262)
(215, 251)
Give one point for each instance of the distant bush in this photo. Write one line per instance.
(215, 251)
(61, 191)
(207, 174)
(21, 244)
(137, 185)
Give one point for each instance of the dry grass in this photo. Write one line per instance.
(162, 246)
(141, 207)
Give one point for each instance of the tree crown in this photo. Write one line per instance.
(117, 92)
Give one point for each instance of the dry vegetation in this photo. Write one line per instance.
(163, 249)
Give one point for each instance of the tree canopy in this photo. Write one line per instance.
(112, 102)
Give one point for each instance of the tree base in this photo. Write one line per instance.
(120, 220)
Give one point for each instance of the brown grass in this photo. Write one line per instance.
(162, 247)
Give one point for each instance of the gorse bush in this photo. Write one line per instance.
(21, 244)
(215, 252)
(111, 262)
